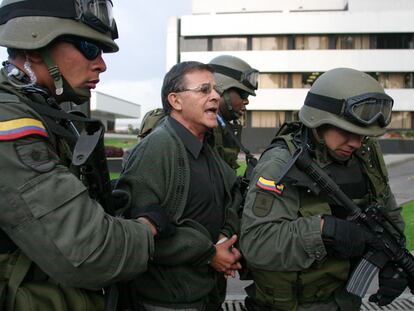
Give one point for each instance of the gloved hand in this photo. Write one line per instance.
(392, 282)
(158, 217)
(343, 238)
(121, 199)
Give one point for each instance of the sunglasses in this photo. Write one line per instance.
(88, 49)
(205, 88)
(243, 94)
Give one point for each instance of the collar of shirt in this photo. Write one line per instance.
(193, 145)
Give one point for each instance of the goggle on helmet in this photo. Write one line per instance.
(248, 78)
(95, 13)
(364, 109)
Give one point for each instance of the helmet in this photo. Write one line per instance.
(33, 24)
(232, 72)
(348, 99)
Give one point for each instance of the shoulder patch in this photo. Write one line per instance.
(270, 185)
(37, 156)
(263, 204)
(17, 128)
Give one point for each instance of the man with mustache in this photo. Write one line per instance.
(177, 167)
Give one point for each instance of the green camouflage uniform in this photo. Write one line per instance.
(64, 246)
(281, 236)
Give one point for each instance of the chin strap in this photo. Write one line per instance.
(53, 71)
(63, 90)
(229, 106)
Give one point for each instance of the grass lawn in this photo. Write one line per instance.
(125, 143)
(242, 168)
(408, 215)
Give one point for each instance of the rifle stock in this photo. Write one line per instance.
(388, 246)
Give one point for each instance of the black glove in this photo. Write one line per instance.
(158, 217)
(392, 282)
(344, 239)
(121, 199)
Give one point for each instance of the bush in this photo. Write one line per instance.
(113, 152)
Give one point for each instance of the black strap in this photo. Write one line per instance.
(230, 134)
(230, 72)
(325, 103)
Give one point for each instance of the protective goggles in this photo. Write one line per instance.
(205, 88)
(364, 109)
(88, 49)
(248, 78)
(98, 15)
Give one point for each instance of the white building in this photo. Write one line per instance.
(292, 42)
(107, 108)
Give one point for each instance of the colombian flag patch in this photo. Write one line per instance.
(18, 128)
(270, 185)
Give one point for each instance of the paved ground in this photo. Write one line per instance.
(401, 175)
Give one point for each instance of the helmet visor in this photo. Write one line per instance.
(369, 108)
(98, 15)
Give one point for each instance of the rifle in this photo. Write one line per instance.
(389, 246)
(251, 161)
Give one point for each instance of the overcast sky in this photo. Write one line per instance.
(135, 73)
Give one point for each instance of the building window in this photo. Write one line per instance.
(392, 80)
(193, 44)
(270, 43)
(311, 42)
(272, 119)
(280, 80)
(110, 125)
(409, 80)
(393, 41)
(355, 42)
(229, 44)
(401, 120)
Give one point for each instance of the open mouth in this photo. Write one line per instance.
(212, 110)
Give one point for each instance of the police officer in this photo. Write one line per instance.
(299, 247)
(236, 81)
(57, 244)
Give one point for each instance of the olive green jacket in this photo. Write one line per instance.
(297, 242)
(158, 172)
(276, 236)
(47, 212)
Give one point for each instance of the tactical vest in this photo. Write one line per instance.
(225, 145)
(23, 285)
(287, 290)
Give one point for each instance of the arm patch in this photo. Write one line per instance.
(37, 156)
(22, 127)
(263, 204)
